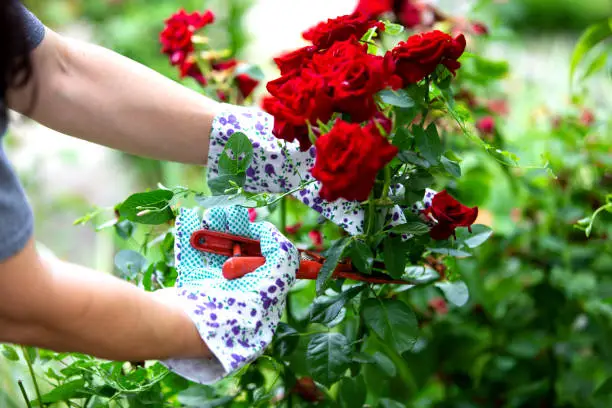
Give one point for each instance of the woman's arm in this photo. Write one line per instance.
(97, 95)
(63, 307)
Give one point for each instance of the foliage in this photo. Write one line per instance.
(533, 331)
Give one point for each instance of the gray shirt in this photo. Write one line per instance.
(16, 220)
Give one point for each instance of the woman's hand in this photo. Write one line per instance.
(236, 319)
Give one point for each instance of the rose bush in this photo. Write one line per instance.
(384, 131)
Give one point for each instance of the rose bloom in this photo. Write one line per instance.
(294, 60)
(449, 214)
(421, 54)
(409, 13)
(353, 77)
(189, 68)
(438, 305)
(176, 38)
(324, 34)
(348, 159)
(486, 125)
(252, 214)
(245, 83)
(296, 101)
(317, 239)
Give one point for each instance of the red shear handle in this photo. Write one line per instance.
(237, 267)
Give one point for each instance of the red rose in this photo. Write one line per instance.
(486, 125)
(293, 229)
(190, 68)
(348, 160)
(374, 8)
(290, 61)
(479, 29)
(587, 118)
(298, 100)
(176, 38)
(245, 83)
(252, 214)
(317, 239)
(407, 12)
(449, 214)
(421, 54)
(353, 77)
(306, 388)
(439, 305)
(324, 34)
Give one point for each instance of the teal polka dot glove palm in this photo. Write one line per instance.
(237, 319)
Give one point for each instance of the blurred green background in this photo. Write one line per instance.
(539, 323)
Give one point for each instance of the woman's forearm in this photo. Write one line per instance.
(64, 307)
(97, 95)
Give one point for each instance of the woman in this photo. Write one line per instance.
(207, 327)
(93, 94)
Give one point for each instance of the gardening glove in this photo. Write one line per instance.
(236, 318)
(278, 168)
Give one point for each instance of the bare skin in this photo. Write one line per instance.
(97, 95)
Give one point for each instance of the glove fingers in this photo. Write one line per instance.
(238, 221)
(215, 220)
(282, 258)
(187, 258)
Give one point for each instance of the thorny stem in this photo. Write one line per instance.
(387, 185)
(371, 214)
(34, 381)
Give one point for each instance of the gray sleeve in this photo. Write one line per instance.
(34, 29)
(16, 219)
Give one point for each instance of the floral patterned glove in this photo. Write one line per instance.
(237, 319)
(279, 168)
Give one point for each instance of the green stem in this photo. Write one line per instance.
(283, 216)
(371, 214)
(24, 393)
(34, 381)
(404, 371)
(387, 185)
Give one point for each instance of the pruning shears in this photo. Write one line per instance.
(245, 257)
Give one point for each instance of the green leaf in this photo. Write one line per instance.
(399, 98)
(502, 156)
(452, 167)
(389, 403)
(66, 391)
(286, 339)
(393, 29)
(428, 142)
(393, 321)
(406, 156)
(124, 229)
(223, 201)
(361, 256)
(414, 228)
(129, 262)
(455, 292)
(479, 235)
(352, 392)
(10, 353)
(420, 274)
(604, 389)
(592, 36)
(327, 357)
(334, 254)
(394, 256)
(220, 184)
(385, 364)
(450, 252)
(325, 309)
(152, 207)
(252, 71)
(236, 156)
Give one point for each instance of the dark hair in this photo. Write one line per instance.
(15, 64)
